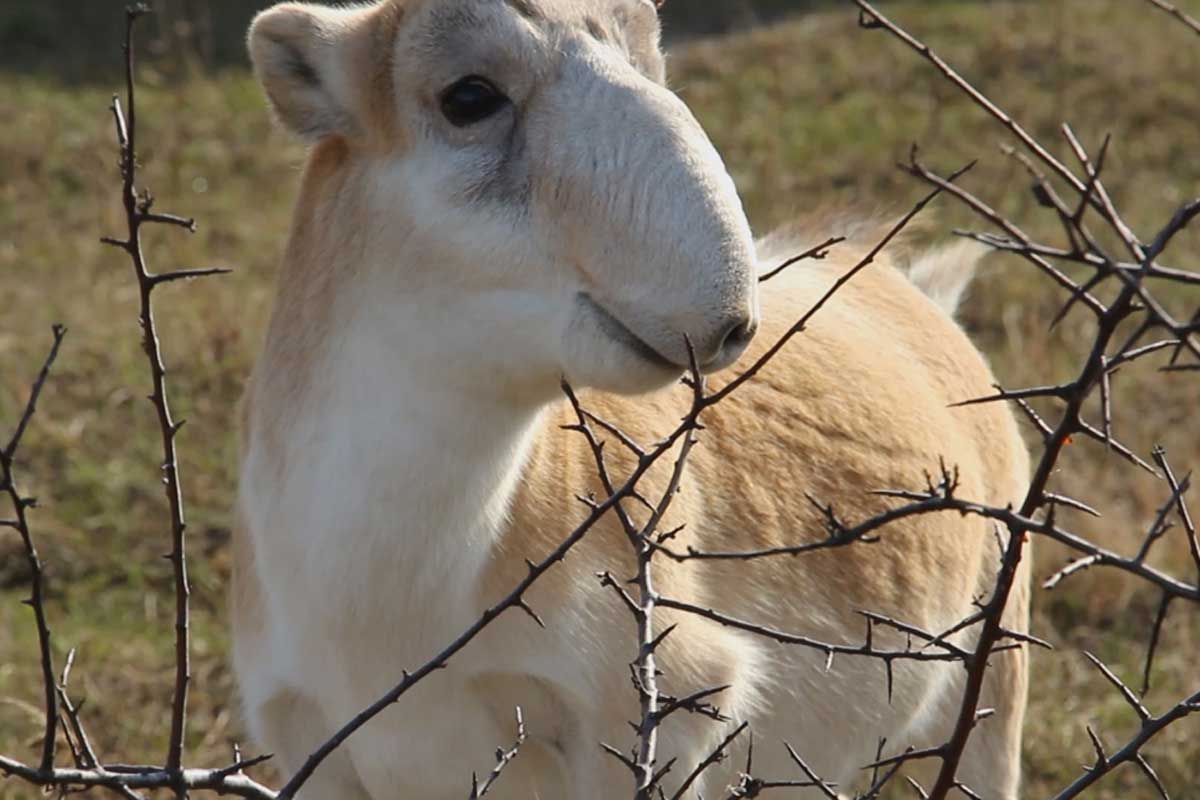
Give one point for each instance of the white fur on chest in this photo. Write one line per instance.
(371, 540)
(376, 530)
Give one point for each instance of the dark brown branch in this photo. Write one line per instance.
(715, 757)
(987, 212)
(840, 534)
(20, 522)
(947, 652)
(870, 17)
(1058, 392)
(1161, 524)
(1070, 502)
(186, 223)
(644, 667)
(817, 253)
(1095, 195)
(990, 634)
(89, 772)
(1048, 528)
(624, 438)
(1132, 751)
(83, 751)
(187, 274)
(1174, 11)
(212, 780)
(879, 782)
(863, 263)
(1085, 258)
(1094, 372)
(827, 789)
(1155, 634)
(1178, 489)
(1130, 697)
(694, 703)
(1128, 355)
(137, 213)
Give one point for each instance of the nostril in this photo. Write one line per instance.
(738, 335)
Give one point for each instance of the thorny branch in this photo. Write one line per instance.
(1131, 752)
(89, 772)
(1174, 11)
(817, 253)
(1133, 299)
(138, 213)
(647, 541)
(20, 522)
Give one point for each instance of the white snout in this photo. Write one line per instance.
(711, 342)
(646, 212)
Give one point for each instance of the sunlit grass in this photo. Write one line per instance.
(809, 116)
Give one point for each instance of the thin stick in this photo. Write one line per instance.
(220, 781)
(862, 264)
(20, 522)
(818, 253)
(1174, 11)
(137, 214)
(1131, 752)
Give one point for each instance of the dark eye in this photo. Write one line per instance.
(470, 100)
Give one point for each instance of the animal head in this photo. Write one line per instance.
(521, 165)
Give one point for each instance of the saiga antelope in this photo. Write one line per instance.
(500, 194)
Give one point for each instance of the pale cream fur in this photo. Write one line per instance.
(403, 454)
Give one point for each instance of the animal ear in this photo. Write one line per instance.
(310, 61)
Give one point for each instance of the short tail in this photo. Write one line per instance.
(944, 273)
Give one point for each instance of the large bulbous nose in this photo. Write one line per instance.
(646, 206)
(730, 342)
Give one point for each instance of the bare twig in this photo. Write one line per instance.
(213, 780)
(21, 504)
(862, 264)
(839, 533)
(1160, 617)
(1132, 751)
(89, 772)
(1127, 276)
(1133, 298)
(717, 755)
(818, 253)
(137, 214)
(1178, 489)
(503, 759)
(1174, 11)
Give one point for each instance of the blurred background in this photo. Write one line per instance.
(810, 112)
(74, 39)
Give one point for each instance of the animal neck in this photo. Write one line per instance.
(406, 387)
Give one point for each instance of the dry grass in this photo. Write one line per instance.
(810, 115)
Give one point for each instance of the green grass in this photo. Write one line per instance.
(809, 116)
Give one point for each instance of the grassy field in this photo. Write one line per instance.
(810, 115)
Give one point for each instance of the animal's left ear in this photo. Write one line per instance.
(645, 33)
(314, 63)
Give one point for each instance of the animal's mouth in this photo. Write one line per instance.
(620, 332)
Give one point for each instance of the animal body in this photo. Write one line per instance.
(500, 194)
